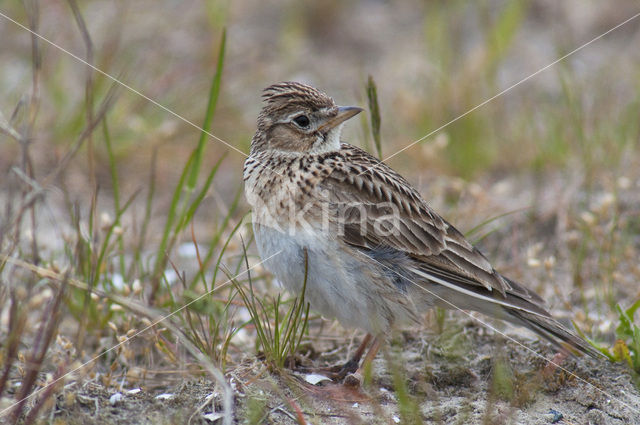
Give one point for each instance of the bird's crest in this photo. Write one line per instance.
(291, 92)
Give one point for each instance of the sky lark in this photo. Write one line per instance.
(376, 254)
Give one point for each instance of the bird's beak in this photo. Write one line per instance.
(344, 113)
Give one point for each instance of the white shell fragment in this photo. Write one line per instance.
(315, 379)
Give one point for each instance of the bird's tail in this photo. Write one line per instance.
(553, 331)
(518, 305)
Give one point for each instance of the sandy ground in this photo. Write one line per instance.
(450, 388)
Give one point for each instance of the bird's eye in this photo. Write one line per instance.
(302, 121)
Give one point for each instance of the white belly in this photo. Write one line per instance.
(339, 285)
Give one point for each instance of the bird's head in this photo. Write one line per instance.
(297, 118)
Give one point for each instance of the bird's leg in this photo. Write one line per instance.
(337, 373)
(353, 363)
(353, 375)
(373, 350)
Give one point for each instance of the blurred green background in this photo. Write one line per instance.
(432, 61)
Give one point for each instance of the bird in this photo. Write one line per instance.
(366, 246)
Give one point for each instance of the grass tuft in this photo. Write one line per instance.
(626, 348)
(279, 331)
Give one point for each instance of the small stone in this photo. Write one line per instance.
(555, 416)
(164, 396)
(115, 399)
(212, 416)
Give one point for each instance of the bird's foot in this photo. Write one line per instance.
(335, 373)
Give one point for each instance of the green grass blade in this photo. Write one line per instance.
(216, 238)
(479, 226)
(374, 111)
(214, 92)
(115, 184)
(146, 218)
(166, 233)
(222, 251)
(188, 215)
(504, 30)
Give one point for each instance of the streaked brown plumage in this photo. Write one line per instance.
(378, 254)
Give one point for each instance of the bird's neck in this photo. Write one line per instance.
(330, 143)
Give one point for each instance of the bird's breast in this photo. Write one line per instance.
(284, 195)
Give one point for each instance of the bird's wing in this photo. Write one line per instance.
(365, 193)
(378, 208)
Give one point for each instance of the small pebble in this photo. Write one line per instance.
(164, 396)
(115, 398)
(555, 416)
(212, 416)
